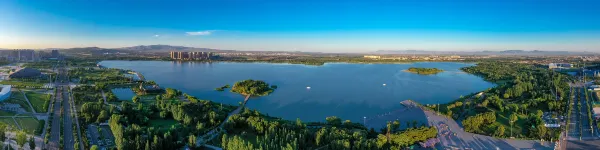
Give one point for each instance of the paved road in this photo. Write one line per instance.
(583, 140)
(465, 140)
(216, 131)
(62, 97)
(462, 140)
(68, 122)
(67, 132)
(55, 130)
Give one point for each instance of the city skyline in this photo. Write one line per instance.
(311, 26)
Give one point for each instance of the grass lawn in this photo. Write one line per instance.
(162, 124)
(10, 122)
(502, 119)
(30, 115)
(17, 98)
(37, 100)
(28, 124)
(23, 83)
(6, 113)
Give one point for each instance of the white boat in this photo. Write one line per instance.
(308, 87)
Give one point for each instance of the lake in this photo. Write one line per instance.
(349, 91)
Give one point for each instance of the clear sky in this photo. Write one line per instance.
(304, 25)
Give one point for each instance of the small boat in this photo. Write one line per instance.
(384, 84)
(308, 87)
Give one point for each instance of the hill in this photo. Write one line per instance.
(485, 52)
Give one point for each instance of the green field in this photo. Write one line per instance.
(17, 98)
(6, 113)
(28, 124)
(23, 83)
(37, 100)
(9, 121)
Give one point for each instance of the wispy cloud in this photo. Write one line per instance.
(201, 33)
(156, 35)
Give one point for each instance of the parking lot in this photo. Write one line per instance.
(100, 136)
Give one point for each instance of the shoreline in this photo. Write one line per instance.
(291, 62)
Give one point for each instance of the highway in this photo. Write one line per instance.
(580, 134)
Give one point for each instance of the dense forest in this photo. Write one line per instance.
(523, 94)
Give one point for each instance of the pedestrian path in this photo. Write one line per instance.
(27, 99)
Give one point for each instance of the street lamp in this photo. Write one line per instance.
(511, 126)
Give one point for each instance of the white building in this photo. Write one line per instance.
(372, 56)
(5, 92)
(594, 87)
(559, 65)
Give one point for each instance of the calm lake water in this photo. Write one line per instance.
(123, 93)
(349, 91)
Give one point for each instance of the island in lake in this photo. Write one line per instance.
(424, 70)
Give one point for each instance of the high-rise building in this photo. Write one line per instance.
(22, 55)
(180, 55)
(190, 55)
(55, 54)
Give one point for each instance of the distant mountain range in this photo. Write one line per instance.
(166, 48)
(485, 52)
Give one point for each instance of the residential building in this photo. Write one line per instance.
(25, 55)
(191, 55)
(55, 54)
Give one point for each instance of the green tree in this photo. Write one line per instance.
(21, 138)
(94, 147)
(539, 113)
(2, 132)
(192, 140)
(135, 99)
(117, 130)
(334, 120)
(103, 116)
(299, 123)
(513, 118)
(500, 131)
(396, 125)
(31, 142)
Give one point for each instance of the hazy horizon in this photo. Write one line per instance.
(309, 26)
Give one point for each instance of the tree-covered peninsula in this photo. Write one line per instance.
(424, 71)
(516, 106)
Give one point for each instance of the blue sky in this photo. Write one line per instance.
(307, 25)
